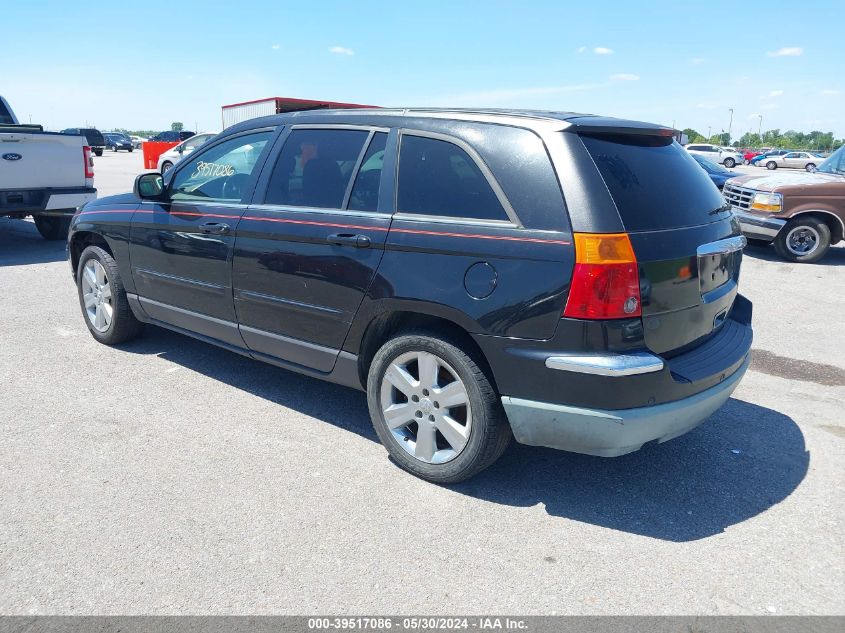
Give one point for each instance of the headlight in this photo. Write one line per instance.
(771, 202)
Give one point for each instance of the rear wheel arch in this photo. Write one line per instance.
(388, 325)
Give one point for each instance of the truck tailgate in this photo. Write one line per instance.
(40, 160)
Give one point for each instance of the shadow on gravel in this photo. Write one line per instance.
(686, 489)
(835, 256)
(21, 244)
(689, 488)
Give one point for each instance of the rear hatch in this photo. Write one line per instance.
(686, 242)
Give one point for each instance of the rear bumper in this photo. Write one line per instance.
(609, 433)
(759, 227)
(57, 201)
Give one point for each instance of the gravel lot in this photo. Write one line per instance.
(171, 477)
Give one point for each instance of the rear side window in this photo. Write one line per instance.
(437, 177)
(366, 188)
(315, 167)
(654, 182)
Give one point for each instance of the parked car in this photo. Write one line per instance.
(793, 160)
(172, 137)
(117, 140)
(749, 154)
(802, 214)
(175, 154)
(728, 157)
(46, 175)
(775, 152)
(94, 138)
(718, 174)
(429, 258)
(137, 141)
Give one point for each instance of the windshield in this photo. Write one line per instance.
(835, 163)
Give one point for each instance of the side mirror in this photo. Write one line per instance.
(149, 186)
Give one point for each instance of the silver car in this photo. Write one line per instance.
(177, 153)
(793, 160)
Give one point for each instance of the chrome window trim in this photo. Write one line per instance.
(284, 208)
(609, 364)
(423, 217)
(723, 247)
(474, 156)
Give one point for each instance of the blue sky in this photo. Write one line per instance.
(144, 65)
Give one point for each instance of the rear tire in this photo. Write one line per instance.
(811, 167)
(730, 163)
(166, 166)
(52, 227)
(803, 240)
(772, 165)
(98, 152)
(102, 298)
(429, 437)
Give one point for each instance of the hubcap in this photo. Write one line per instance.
(426, 407)
(96, 295)
(802, 240)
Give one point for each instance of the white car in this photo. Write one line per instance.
(730, 158)
(137, 141)
(177, 153)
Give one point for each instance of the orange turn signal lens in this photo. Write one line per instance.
(603, 248)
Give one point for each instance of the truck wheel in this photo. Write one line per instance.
(434, 409)
(103, 298)
(804, 240)
(771, 165)
(730, 163)
(52, 227)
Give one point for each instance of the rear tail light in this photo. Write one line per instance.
(605, 282)
(89, 161)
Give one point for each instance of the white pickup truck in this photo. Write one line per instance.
(47, 175)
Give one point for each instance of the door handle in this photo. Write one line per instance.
(214, 227)
(349, 239)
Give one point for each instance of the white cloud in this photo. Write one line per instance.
(754, 116)
(341, 50)
(829, 91)
(625, 77)
(601, 50)
(787, 51)
(275, 47)
(776, 93)
(697, 61)
(769, 106)
(581, 49)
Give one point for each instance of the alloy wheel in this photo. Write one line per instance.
(426, 407)
(802, 240)
(97, 295)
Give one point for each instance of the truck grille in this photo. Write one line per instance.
(738, 197)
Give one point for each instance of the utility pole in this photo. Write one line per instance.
(760, 129)
(730, 125)
(709, 127)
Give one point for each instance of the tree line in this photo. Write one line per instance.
(790, 139)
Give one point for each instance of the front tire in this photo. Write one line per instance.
(52, 227)
(771, 165)
(730, 163)
(102, 298)
(803, 240)
(811, 167)
(434, 409)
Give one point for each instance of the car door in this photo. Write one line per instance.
(790, 159)
(181, 247)
(307, 250)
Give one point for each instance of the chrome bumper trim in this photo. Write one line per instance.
(759, 227)
(607, 364)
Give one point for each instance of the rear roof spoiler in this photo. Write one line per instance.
(609, 125)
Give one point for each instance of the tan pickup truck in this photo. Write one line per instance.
(802, 213)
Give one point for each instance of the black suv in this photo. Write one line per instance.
(172, 137)
(93, 138)
(567, 279)
(118, 140)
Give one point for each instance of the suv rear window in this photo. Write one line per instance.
(655, 183)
